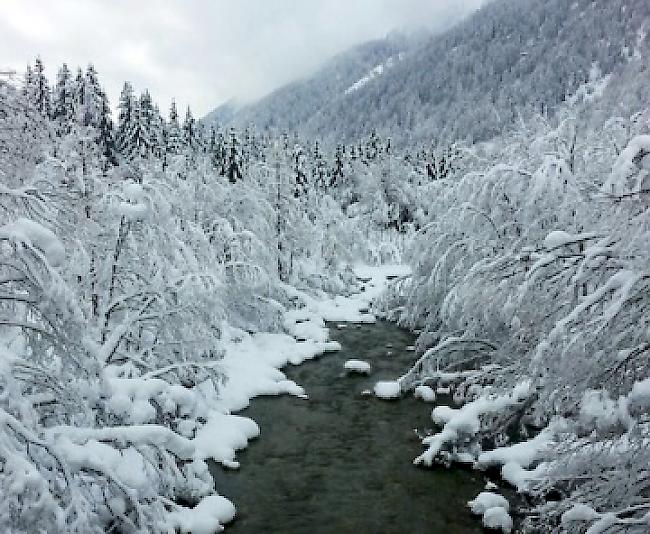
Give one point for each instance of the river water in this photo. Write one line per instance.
(341, 462)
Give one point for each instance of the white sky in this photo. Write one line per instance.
(203, 52)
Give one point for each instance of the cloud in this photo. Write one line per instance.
(203, 52)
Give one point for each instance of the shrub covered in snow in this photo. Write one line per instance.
(534, 265)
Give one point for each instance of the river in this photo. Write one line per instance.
(341, 462)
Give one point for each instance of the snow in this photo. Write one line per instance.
(465, 421)
(133, 212)
(579, 512)
(598, 410)
(486, 500)
(424, 393)
(35, 235)
(604, 524)
(494, 509)
(559, 238)
(387, 390)
(375, 72)
(497, 518)
(207, 517)
(357, 366)
(134, 208)
(523, 453)
(222, 436)
(640, 393)
(625, 176)
(341, 308)
(516, 458)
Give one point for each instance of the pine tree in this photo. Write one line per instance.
(63, 107)
(41, 95)
(138, 132)
(234, 164)
(337, 174)
(125, 117)
(28, 84)
(189, 130)
(158, 133)
(318, 167)
(79, 96)
(144, 139)
(174, 134)
(91, 99)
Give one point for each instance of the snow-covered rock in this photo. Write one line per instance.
(425, 393)
(486, 500)
(388, 390)
(357, 366)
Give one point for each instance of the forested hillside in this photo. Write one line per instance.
(512, 58)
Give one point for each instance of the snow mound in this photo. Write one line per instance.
(425, 393)
(207, 517)
(357, 366)
(388, 390)
(497, 518)
(486, 500)
(222, 436)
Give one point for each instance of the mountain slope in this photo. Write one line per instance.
(294, 104)
(509, 58)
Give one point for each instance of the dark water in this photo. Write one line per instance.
(340, 462)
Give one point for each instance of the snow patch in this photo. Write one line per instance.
(207, 517)
(375, 72)
(357, 366)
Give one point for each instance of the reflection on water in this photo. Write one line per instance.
(341, 462)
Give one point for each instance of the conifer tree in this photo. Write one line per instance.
(125, 117)
(174, 134)
(41, 90)
(234, 164)
(189, 130)
(63, 106)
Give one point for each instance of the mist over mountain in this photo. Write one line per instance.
(511, 58)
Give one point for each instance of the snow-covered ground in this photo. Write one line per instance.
(252, 362)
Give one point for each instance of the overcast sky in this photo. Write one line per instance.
(203, 52)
